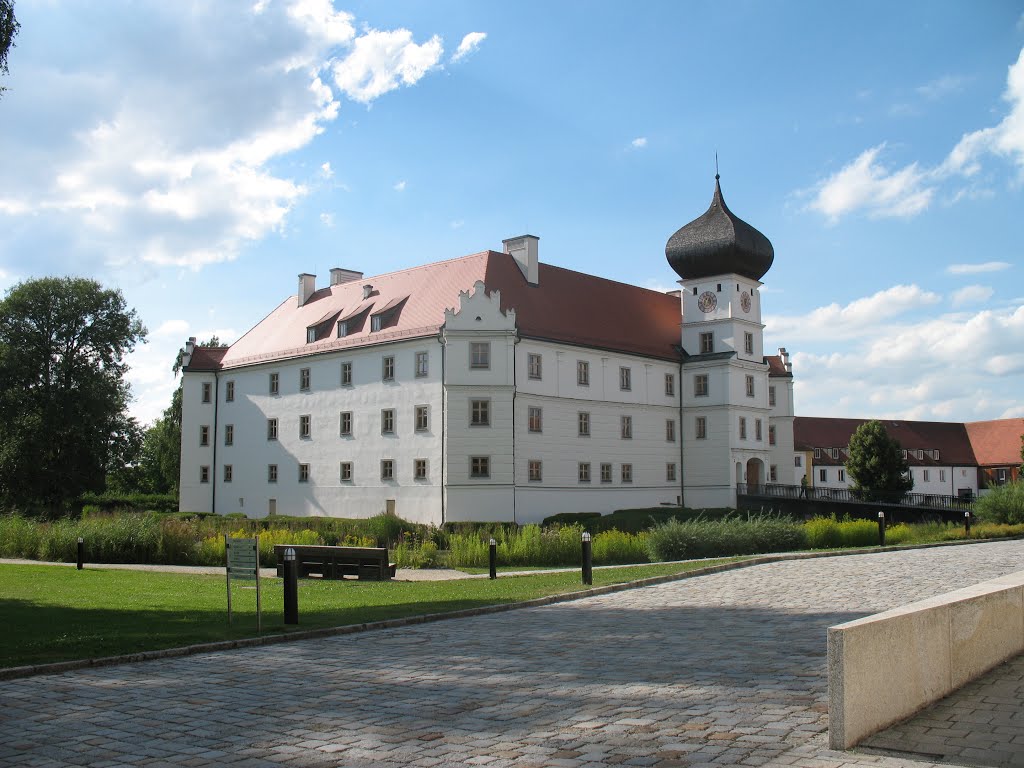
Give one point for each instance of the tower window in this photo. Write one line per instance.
(707, 343)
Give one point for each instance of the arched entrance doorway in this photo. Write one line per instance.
(755, 473)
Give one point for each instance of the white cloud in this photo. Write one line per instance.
(957, 366)
(843, 322)
(656, 284)
(972, 294)
(639, 142)
(942, 87)
(970, 269)
(381, 61)
(399, 186)
(327, 219)
(175, 328)
(185, 171)
(468, 45)
(866, 185)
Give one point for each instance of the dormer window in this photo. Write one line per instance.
(388, 314)
(342, 329)
(375, 323)
(817, 453)
(835, 453)
(904, 452)
(310, 335)
(935, 454)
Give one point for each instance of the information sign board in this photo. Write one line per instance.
(242, 558)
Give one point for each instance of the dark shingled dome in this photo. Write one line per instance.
(717, 243)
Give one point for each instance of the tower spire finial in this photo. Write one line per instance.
(716, 166)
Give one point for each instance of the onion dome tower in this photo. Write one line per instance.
(719, 243)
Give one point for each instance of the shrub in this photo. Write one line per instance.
(415, 555)
(615, 547)
(678, 540)
(823, 533)
(19, 537)
(1003, 504)
(466, 550)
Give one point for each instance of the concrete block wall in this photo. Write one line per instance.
(886, 667)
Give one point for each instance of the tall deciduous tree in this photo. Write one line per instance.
(9, 27)
(63, 394)
(876, 464)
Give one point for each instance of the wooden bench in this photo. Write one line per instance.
(369, 563)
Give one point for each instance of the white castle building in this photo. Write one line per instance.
(496, 388)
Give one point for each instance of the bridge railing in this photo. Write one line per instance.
(810, 493)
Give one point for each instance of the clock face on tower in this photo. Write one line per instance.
(745, 301)
(707, 302)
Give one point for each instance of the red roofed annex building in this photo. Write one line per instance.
(495, 387)
(945, 458)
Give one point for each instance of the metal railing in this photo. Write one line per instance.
(809, 493)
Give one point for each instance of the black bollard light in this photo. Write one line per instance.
(967, 523)
(291, 587)
(588, 560)
(494, 559)
(881, 529)
(81, 553)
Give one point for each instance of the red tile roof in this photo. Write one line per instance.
(776, 367)
(206, 358)
(996, 443)
(949, 438)
(565, 306)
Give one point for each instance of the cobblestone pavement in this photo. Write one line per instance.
(981, 724)
(721, 669)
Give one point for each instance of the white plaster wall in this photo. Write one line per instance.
(325, 494)
(194, 496)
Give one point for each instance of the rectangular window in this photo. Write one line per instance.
(375, 323)
(773, 474)
(627, 473)
(480, 355)
(748, 343)
(942, 475)
(670, 385)
(817, 453)
(757, 429)
(627, 427)
(388, 369)
(771, 396)
(925, 475)
(700, 385)
(207, 389)
(606, 473)
(835, 453)
(583, 373)
(798, 461)
(303, 473)
(702, 428)
(229, 392)
(533, 366)
(419, 469)
(842, 475)
(346, 423)
(771, 434)
(583, 419)
(346, 374)
(479, 466)
(304, 379)
(583, 472)
(534, 419)
(625, 379)
(670, 431)
(935, 454)
(274, 383)
(310, 335)
(707, 343)
(387, 421)
(479, 413)
(422, 362)
(422, 418)
(743, 427)
(823, 475)
(228, 473)
(387, 469)
(904, 453)
(304, 426)
(342, 329)
(535, 471)
(271, 473)
(670, 473)
(750, 386)
(229, 434)
(204, 435)
(204, 474)
(346, 471)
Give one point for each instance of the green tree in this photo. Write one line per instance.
(63, 394)
(876, 464)
(9, 27)
(1002, 504)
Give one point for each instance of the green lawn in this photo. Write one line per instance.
(54, 613)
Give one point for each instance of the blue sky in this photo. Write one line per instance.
(199, 156)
